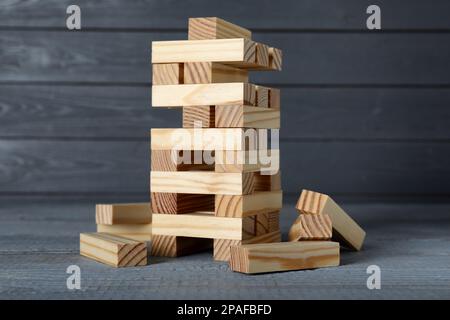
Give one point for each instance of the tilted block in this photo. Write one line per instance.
(345, 229)
(123, 213)
(246, 117)
(311, 227)
(172, 246)
(113, 250)
(283, 256)
(215, 28)
(240, 206)
(177, 203)
(167, 73)
(137, 232)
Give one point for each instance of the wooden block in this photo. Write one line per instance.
(283, 256)
(178, 160)
(177, 203)
(247, 161)
(113, 250)
(274, 98)
(201, 182)
(235, 93)
(171, 246)
(215, 28)
(345, 229)
(267, 182)
(203, 225)
(266, 222)
(311, 227)
(239, 206)
(262, 55)
(199, 116)
(262, 96)
(167, 73)
(238, 52)
(222, 246)
(212, 72)
(123, 213)
(246, 117)
(275, 59)
(137, 232)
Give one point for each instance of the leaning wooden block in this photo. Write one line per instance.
(215, 28)
(167, 73)
(137, 232)
(123, 213)
(113, 250)
(283, 256)
(222, 246)
(345, 229)
(311, 227)
(246, 117)
(202, 182)
(212, 72)
(177, 203)
(233, 93)
(172, 246)
(239, 206)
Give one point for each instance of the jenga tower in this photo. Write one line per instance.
(227, 201)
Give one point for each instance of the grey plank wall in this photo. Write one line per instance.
(365, 114)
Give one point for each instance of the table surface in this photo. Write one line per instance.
(39, 240)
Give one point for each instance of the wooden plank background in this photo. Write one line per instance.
(365, 114)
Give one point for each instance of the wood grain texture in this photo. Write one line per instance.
(137, 232)
(345, 229)
(265, 182)
(275, 98)
(275, 58)
(246, 205)
(123, 213)
(178, 160)
(171, 246)
(199, 117)
(177, 203)
(203, 225)
(113, 250)
(246, 117)
(311, 227)
(247, 161)
(210, 72)
(202, 182)
(215, 28)
(283, 256)
(262, 54)
(167, 73)
(262, 96)
(203, 94)
(222, 246)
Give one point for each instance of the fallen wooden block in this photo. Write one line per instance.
(123, 213)
(222, 246)
(283, 256)
(172, 246)
(246, 117)
(311, 227)
(137, 232)
(215, 28)
(240, 206)
(177, 203)
(210, 94)
(345, 229)
(113, 250)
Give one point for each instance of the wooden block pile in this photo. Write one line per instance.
(220, 198)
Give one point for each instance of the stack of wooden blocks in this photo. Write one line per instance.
(228, 201)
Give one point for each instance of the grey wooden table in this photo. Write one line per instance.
(39, 240)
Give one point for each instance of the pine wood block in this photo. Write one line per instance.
(266, 222)
(179, 160)
(222, 246)
(262, 96)
(247, 161)
(202, 182)
(212, 72)
(274, 98)
(187, 95)
(137, 232)
(267, 182)
(199, 117)
(283, 256)
(246, 117)
(167, 73)
(203, 225)
(113, 250)
(177, 203)
(262, 55)
(171, 246)
(215, 28)
(238, 52)
(311, 227)
(123, 213)
(206, 139)
(275, 59)
(345, 229)
(240, 206)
